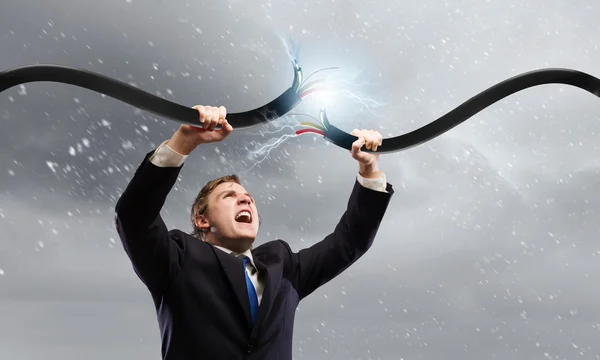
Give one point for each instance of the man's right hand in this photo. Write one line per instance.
(188, 137)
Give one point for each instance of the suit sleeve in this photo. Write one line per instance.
(155, 254)
(351, 238)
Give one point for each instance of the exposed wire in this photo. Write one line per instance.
(315, 126)
(327, 68)
(323, 119)
(311, 91)
(306, 131)
(311, 84)
(302, 114)
(318, 123)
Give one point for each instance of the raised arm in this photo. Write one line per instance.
(154, 253)
(357, 227)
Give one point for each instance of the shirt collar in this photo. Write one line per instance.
(247, 253)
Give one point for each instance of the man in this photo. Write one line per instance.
(216, 297)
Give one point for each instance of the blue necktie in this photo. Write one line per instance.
(251, 292)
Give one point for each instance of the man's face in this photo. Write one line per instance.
(232, 216)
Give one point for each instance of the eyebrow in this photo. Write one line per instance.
(233, 191)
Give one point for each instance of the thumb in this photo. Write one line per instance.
(226, 129)
(356, 145)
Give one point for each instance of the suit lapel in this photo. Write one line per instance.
(234, 270)
(272, 276)
(268, 267)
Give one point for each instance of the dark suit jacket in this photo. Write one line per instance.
(200, 291)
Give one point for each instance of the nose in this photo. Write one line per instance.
(244, 199)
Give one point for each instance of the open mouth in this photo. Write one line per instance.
(244, 216)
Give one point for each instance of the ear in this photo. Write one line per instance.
(202, 223)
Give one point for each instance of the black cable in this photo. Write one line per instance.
(143, 100)
(290, 98)
(471, 107)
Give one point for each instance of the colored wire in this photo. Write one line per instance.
(315, 126)
(310, 84)
(306, 131)
(323, 118)
(318, 71)
(310, 116)
(297, 76)
(311, 91)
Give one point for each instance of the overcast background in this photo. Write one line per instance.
(489, 249)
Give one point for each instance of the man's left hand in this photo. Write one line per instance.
(368, 164)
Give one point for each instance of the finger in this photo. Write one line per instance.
(201, 113)
(374, 139)
(359, 134)
(356, 145)
(214, 118)
(222, 112)
(207, 117)
(378, 142)
(369, 142)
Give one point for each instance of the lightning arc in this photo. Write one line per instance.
(290, 98)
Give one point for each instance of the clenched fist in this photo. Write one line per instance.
(368, 163)
(188, 137)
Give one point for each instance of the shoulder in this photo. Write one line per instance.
(182, 239)
(273, 246)
(277, 251)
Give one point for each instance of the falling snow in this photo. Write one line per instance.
(491, 235)
(52, 165)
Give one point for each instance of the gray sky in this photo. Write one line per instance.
(488, 249)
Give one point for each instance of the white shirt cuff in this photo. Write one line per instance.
(377, 184)
(164, 156)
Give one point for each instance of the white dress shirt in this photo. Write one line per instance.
(164, 156)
